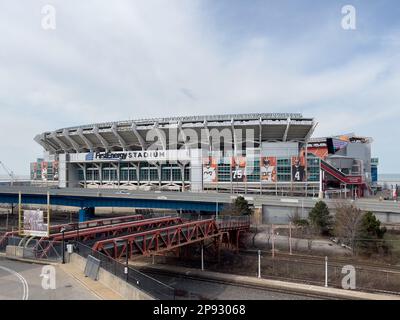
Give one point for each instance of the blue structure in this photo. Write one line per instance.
(87, 204)
(86, 214)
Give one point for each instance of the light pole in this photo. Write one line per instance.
(63, 245)
(126, 268)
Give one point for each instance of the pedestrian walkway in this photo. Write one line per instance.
(101, 291)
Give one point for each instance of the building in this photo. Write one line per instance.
(269, 153)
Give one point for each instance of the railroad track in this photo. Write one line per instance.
(337, 262)
(171, 274)
(321, 296)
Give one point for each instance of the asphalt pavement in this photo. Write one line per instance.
(28, 281)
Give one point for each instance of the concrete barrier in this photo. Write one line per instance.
(108, 279)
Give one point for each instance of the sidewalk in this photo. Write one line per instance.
(272, 284)
(101, 291)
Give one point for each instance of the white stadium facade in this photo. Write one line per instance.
(264, 153)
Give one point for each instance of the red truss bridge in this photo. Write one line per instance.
(56, 229)
(135, 236)
(92, 234)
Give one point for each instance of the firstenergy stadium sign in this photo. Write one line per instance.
(149, 155)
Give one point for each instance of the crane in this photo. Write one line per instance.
(9, 172)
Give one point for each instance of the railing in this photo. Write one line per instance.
(149, 285)
(232, 222)
(30, 248)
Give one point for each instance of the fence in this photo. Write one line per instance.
(30, 248)
(298, 268)
(151, 286)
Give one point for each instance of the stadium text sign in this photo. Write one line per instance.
(150, 155)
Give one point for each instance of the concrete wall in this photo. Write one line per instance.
(120, 286)
(282, 215)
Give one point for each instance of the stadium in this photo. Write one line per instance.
(266, 153)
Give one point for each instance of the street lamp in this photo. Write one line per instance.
(63, 244)
(126, 269)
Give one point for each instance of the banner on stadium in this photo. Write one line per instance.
(210, 170)
(298, 168)
(268, 169)
(34, 223)
(55, 170)
(44, 171)
(238, 169)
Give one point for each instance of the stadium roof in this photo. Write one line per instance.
(132, 134)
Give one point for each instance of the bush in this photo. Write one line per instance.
(320, 218)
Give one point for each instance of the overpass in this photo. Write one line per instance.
(200, 202)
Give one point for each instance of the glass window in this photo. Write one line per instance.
(176, 174)
(283, 169)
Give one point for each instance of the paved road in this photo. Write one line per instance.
(20, 280)
(198, 289)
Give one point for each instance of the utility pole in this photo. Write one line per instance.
(273, 241)
(290, 238)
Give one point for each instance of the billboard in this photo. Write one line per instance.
(238, 169)
(209, 170)
(334, 144)
(268, 169)
(44, 170)
(55, 170)
(34, 223)
(298, 169)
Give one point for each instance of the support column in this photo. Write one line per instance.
(257, 217)
(86, 214)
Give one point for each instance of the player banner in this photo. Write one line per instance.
(34, 223)
(209, 170)
(238, 169)
(268, 169)
(298, 169)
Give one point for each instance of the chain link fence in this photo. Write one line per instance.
(151, 286)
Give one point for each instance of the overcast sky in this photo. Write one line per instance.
(118, 60)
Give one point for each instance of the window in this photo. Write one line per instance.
(283, 169)
(253, 170)
(313, 168)
(187, 174)
(165, 172)
(176, 174)
(224, 172)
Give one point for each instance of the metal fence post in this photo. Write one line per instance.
(202, 258)
(326, 272)
(259, 264)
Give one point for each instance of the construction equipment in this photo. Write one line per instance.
(9, 173)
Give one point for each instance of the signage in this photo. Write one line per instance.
(34, 224)
(149, 155)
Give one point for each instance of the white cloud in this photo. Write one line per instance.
(135, 59)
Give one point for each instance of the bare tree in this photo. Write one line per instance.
(347, 223)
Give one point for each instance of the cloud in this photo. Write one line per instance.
(136, 59)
